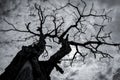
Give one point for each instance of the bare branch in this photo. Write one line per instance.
(14, 28)
(28, 28)
(85, 5)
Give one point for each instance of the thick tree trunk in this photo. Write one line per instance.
(26, 72)
(25, 66)
(55, 59)
(26, 54)
(14, 67)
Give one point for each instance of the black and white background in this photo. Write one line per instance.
(18, 13)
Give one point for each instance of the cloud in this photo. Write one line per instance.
(6, 6)
(110, 3)
(114, 25)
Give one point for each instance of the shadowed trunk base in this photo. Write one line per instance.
(25, 65)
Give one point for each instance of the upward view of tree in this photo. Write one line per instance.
(54, 28)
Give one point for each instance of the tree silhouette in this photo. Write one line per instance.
(60, 34)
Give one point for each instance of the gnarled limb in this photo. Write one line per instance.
(54, 59)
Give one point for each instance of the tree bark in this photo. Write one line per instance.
(37, 70)
(26, 54)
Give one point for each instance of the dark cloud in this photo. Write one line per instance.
(6, 6)
(44, 0)
(3, 4)
(110, 3)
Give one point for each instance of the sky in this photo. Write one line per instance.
(115, 5)
(16, 11)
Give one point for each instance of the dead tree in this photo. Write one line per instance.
(29, 54)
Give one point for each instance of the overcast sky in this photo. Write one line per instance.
(115, 25)
(14, 10)
(8, 6)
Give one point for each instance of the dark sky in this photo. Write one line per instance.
(110, 3)
(7, 6)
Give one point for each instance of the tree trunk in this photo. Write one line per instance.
(25, 66)
(26, 72)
